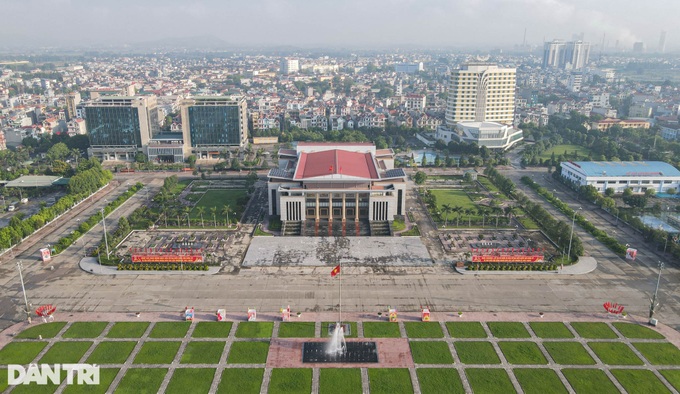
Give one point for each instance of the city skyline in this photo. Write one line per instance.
(349, 24)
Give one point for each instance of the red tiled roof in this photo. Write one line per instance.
(305, 143)
(336, 161)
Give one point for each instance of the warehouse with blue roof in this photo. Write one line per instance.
(619, 175)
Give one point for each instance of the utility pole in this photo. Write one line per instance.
(571, 237)
(105, 237)
(654, 304)
(23, 289)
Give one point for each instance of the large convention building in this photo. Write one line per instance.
(619, 175)
(336, 182)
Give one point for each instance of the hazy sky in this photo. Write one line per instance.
(340, 23)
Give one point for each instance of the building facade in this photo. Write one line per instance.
(72, 101)
(573, 55)
(336, 182)
(637, 175)
(289, 65)
(490, 134)
(606, 124)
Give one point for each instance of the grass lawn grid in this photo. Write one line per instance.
(423, 330)
(202, 352)
(523, 352)
(290, 380)
(474, 352)
(65, 352)
(169, 330)
(127, 329)
(20, 352)
(212, 329)
(539, 381)
(614, 353)
(220, 198)
(33, 388)
(589, 381)
(353, 333)
(47, 330)
(594, 330)
(439, 380)
(659, 353)
(455, 198)
(191, 380)
(106, 377)
(111, 352)
(296, 330)
(381, 330)
(672, 376)
(157, 352)
(466, 329)
(508, 330)
(253, 329)
(489, 380)
(568, 353)
(550, 330)
(141, 381)
(247, 352)
(90, 329)
(639, 381)
(581, 151)
(390, 381)
(431, 352)
(241, 381)
(340, 380)
(636, 331)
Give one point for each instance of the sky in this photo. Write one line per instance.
(340, 23)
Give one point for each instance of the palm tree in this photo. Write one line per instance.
(457, 211)
(226, 209)
(213, 210)
(201, 210)
(447, 210)
(186, 211)
(482, 212)
(496, 212)
(468, 213)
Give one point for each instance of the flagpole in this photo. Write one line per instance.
(340, 290)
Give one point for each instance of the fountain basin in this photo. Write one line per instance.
(357, 352)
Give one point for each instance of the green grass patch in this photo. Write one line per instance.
(65, 352)
(170, 330)
(550, 330)
(128, 330)
(466, 329)
(157, 353)
(475, 352)
(673, 377)
(589, 381)
(423, 330)
(353, 333)
(639, 381)
(636, 331)
(487, 184)
(439, 380)
(431, 352)
(33, 388)
(381, 330)
(615, 353)
(454, 198)
(248, 353)
(491, 380)
(296, 330)
(111, 352)
(106, 377)
(581, 151)
(235, 198)
(508, 330)
(528, 223)
(340, 380)
(47, 330)
(594, 330)
(659, 353)
(539, 381)
(389, 381)
(241, 381)
(202, 352)
(261, 233)
(253, 329)
(20, 352)
(191, 380)
(211, 329)
(85, 329)
(141, 381)
(522, 353)
(568, 353)
(3, 381)
(290, 380)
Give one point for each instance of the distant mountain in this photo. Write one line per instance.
(196, 42)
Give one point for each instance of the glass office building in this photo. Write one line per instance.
(113, 126)
(214, 125)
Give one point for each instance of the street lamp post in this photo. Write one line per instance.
(571, 237)
(23, 290)
(653, 305)
(105, 236)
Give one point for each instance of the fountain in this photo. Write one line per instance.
(337, 350)
(337, 344)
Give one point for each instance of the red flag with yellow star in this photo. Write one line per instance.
(335, 271)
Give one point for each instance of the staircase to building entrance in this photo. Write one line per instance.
(336, 228)
(380, 229)
(291, 228)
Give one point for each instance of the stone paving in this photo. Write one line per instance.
(277, 358)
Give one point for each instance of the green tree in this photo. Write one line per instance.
(226, 210)
(609, 192)
(213, 211)
(201, 211)
(447, 209)
(191, 160)
(58, 151)
(420, 177)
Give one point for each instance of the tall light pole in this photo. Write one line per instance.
(105, 236)
(571, 237)
(23, 289)
(653, 303)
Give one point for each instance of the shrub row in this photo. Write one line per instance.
(162, 267)
(511, 267)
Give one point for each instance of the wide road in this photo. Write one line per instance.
(71, 289)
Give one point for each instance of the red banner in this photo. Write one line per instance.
(167, 258)
(507, 258)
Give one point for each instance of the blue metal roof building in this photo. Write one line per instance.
(619, 175)
(627, 168)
